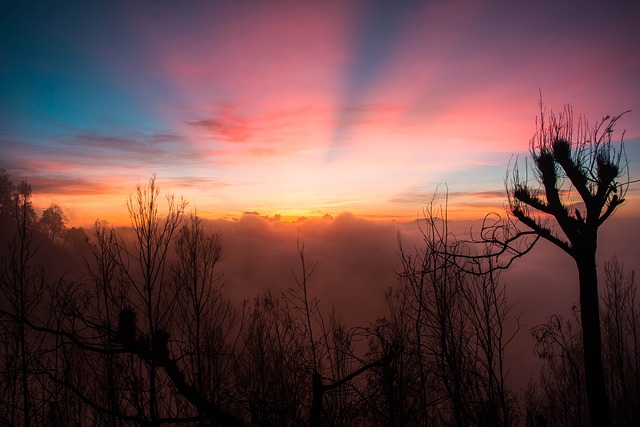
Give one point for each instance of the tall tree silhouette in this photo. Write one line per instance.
(7, 189)
(460, 313)
(53, 221)
(207, 324)
(154, 234)
(21, 290)
(559, 345)
(110, 290)
(575, 182)
(621, 340)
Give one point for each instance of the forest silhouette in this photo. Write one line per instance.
(133, 326)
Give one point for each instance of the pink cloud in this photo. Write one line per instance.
(225, 125)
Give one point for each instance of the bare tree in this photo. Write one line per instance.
(575, 182)
(488, 313)
(272, 361)
(559, 345)
(562, 378)
(461, 314)
(87, 357)
(109, 298)
(621, 339)
(145, 266)
(208, 326)
(330, 348)
(398, 390)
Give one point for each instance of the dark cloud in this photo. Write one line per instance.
(459, 198)
(95, 151)
(69, 186)
(480, 194)
(134, 143)
(226, 125)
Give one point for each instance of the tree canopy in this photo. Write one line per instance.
(53, 221)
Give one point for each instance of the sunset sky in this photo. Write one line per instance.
(301, 108)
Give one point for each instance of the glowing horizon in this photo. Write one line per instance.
(301, 109)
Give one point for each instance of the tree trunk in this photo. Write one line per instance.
(316, 404)
(599, 409)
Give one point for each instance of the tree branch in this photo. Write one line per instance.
(543, 232)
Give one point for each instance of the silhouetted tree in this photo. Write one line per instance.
(460, 313)
(145, 266)
(53, 222)
(562, 378)
(109, 298)
(559, 345)
(436, 281)
(21, 286)
(207, 324)
(273, 362)
(574, 183)
(76, 240)
(7, 189)
(332, 365)
(86, 356)
(621, 339)
(22, 205)
(398, 390)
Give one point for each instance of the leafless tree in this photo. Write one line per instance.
(488, 311)
(145, 266)
(576, 180)
(273, 361)
(621, 339)
(87, 357)
(559, 345)
(461, 313)
(109, 298)
(208, 326)
(332, 366)
(398, 390)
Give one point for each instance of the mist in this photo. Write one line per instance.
(357, 260)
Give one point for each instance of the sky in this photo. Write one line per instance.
(301, 108)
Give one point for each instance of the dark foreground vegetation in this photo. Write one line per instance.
(146, 335)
